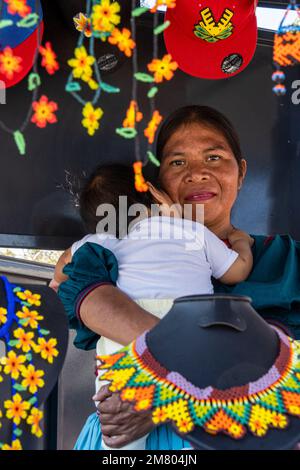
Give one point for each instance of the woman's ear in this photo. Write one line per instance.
(242, 172)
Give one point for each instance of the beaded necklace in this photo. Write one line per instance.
(255, 407)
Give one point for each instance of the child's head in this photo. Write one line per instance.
(104, 186)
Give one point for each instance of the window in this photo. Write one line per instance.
(267, 18)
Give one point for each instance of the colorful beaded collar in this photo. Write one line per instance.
(255, 407)
(24, 338)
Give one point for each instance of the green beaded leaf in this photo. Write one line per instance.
(18, 432)
(23, 321)
(32, 400)
(144, 77)
(20, 142)
(19, 387)
(101, 35)
(139, 11)
(72, 86)
(29, 357)
(29, 21)
(17, 289)
(152, 92)
(5, 23)
(13, 342)
(127, 132)
(153, 158)
(109, 88)
(159, 29)
(45, 332)
(34, 81)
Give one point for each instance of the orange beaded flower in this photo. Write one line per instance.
(19, 7)
(49, 58)
(9, 63)
(133, 115)
(139, 180)
(44, 114)
(152, 127)
(123, 40)
(163, 68)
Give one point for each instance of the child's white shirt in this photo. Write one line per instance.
(164, 257)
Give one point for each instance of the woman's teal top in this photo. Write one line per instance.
(273, 285)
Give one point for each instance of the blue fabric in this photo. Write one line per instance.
(91, 263)
(12, 35)
(161, 438)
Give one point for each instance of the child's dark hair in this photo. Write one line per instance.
(104, 186)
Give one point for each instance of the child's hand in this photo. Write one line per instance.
(237, 235)
(167, 206)
(54, 285)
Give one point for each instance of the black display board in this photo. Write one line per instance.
(35, 209)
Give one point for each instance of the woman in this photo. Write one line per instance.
(201, 163)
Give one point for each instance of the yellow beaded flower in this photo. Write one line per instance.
(47, 349)
(91, 118)
(16, 408)
(105, 16)
(13, 364)
(34, 419)
(28, 296)
(29, 317)
(32, 378)
(3, 315)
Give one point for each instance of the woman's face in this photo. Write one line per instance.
(198, 167)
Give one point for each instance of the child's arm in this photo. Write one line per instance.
(240, 242)
(59, 276)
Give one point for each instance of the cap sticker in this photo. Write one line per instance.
(212, 31)
(232, 63)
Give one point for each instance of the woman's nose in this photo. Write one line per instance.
(196, 173)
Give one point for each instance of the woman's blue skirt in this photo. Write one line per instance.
(161, 438)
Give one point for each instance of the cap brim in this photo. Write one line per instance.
(202, 59)
(26, 51)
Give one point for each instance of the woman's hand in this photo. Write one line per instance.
(237, 235)
(120, 424)
(166, 206)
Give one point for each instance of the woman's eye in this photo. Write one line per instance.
(177, 163)
(214, 157)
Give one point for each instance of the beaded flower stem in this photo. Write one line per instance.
(70, 81)
(134, 92)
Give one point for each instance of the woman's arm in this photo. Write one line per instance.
(111, 313)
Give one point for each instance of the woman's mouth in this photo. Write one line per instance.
(200, 196)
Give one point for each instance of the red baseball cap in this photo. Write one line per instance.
(19, 42)
(212, 38)
(15, 63)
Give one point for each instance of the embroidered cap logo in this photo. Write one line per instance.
(212, 31)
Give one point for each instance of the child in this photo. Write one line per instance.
(161, 257)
